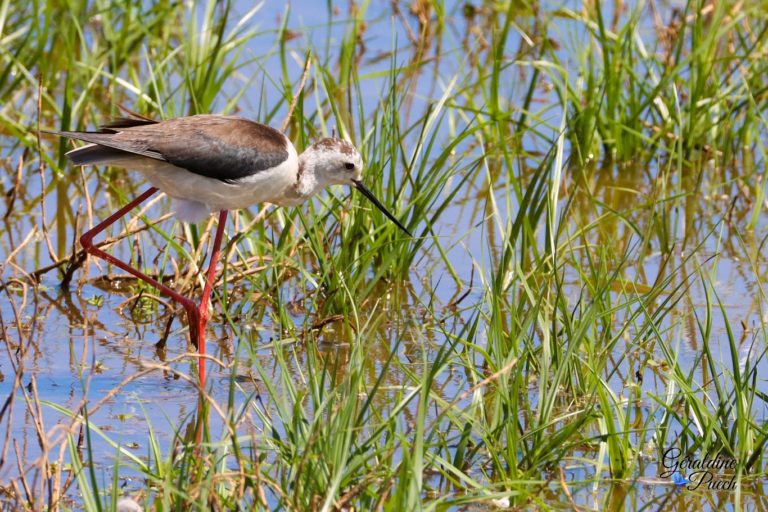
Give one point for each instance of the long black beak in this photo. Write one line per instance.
(367, 193)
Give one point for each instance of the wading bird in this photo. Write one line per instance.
(210, 163)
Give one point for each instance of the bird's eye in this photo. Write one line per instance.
(349, 166)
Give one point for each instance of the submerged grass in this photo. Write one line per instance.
(580, 182)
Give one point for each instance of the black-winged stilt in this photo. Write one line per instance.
(209, 163)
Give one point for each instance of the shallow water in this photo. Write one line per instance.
(85, 340)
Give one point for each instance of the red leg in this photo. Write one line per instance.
(196, 316)
(202, 319)
(202, 316)
(87, 242)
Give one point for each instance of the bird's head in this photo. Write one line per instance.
(334, 162)
(337, 162)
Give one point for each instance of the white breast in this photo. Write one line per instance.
(269, 186)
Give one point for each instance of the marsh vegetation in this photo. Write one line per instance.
(584, 292)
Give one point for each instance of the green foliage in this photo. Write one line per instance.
(582, 180)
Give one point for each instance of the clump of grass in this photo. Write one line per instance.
(558, 319)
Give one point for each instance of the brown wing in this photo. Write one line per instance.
(222, 147)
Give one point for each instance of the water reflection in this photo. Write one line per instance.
(275, 321)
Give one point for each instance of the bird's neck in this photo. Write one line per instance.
(306, 182)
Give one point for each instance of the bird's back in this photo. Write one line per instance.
(226, 148)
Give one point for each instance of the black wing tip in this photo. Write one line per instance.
(113, 126)
(124, 122)
(67, 134)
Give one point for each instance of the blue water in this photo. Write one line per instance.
(84, 347)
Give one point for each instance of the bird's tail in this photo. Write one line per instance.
(95, 154)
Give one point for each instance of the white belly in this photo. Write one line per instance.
(269, 186)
